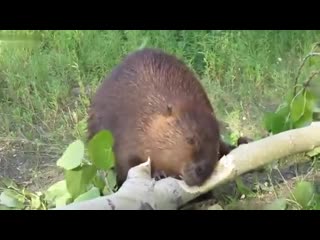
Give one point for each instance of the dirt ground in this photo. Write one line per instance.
(28, 165)
(34, 166)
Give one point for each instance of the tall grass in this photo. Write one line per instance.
(244, 72)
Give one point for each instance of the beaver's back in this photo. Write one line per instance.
(142, 85)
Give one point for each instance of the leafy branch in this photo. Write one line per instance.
(298, 109)
(84, 178)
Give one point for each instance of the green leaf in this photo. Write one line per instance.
(57, 193)
(55, 190)
(78, 179)
(100, 150)
(35, 202)
(63, 200)
(268, 119)
(307, 112)
(304, 193)
(234, 136)
(314, 152)
(314, 88)
(284, 112)
(11, 199)
(277, 122)
(305, 120)
(91, 194)
(73, 156)
(111, 180)
(298, 107)
(312, 97)
(278, 204)
(99, 182)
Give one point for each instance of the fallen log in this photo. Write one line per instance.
(140, 192)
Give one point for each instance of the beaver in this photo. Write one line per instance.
(156, 107)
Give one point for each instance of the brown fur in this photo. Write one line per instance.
(155, 106)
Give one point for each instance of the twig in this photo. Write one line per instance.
(311, 54)
(315, 73)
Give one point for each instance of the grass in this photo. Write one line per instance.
(46, 83)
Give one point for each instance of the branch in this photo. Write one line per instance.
(311, 54)
(140, 192)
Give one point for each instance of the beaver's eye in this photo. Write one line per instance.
(190, 140)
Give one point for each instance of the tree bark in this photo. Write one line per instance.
(140, 192)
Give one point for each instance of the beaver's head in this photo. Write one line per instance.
(185, 144)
